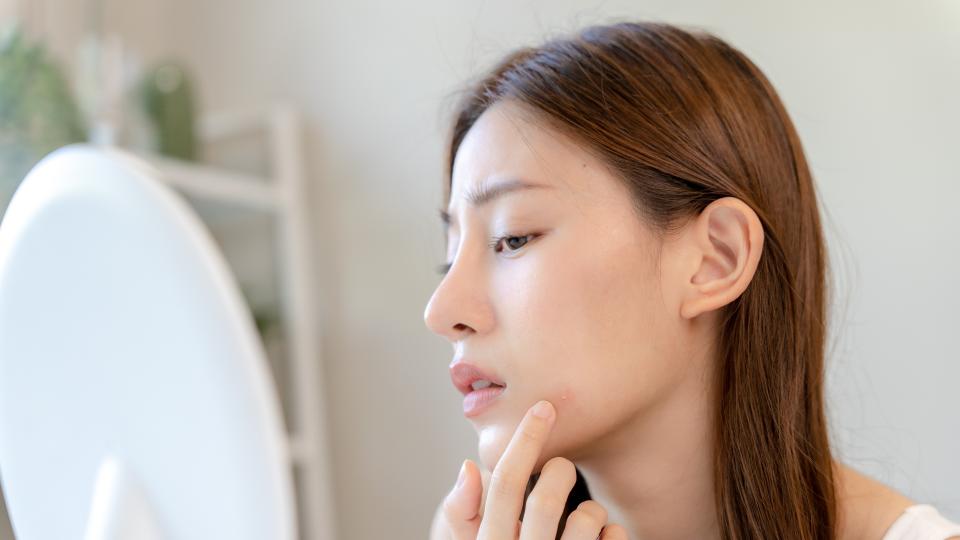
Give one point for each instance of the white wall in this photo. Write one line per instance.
(872, 86)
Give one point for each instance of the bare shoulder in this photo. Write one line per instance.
(867, 507)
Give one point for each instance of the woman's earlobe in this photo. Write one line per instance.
(728, 237)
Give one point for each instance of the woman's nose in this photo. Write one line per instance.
(458, 306)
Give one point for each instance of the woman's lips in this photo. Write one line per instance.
(477, 401)
(463, 374)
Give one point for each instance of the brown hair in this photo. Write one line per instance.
(683, 118)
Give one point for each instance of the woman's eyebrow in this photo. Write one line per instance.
(487, 192)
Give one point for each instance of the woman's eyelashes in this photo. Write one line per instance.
(443, 269)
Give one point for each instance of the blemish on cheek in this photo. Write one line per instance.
(566, 397)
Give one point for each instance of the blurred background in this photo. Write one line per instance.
(347, 104)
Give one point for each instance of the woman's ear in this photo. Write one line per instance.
(726, 240)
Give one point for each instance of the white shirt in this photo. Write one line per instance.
(921, 522)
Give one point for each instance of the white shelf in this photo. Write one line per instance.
(217, 184)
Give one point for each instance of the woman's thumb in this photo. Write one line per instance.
(461, 507)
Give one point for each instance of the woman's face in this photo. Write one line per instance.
(576, 313)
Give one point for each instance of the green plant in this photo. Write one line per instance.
(37, 111)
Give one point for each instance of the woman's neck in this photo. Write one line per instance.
(654, 474)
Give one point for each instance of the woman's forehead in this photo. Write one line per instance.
(506, 143)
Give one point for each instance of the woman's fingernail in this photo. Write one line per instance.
(463, 470)
(543, 409)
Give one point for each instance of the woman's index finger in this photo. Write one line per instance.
(508, 483)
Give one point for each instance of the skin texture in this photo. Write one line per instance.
(595, 313)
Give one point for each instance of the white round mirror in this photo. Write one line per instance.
(135, 397)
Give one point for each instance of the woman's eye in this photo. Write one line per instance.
(510, 242)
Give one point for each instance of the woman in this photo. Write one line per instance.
(634, 238)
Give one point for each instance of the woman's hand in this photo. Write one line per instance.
(469, 517)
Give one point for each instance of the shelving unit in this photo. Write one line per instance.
(281, 194)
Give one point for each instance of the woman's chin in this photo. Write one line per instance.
(493, 441)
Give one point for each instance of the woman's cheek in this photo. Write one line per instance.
(565, 401)
(570, 419)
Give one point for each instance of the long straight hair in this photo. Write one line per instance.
(683, 118)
